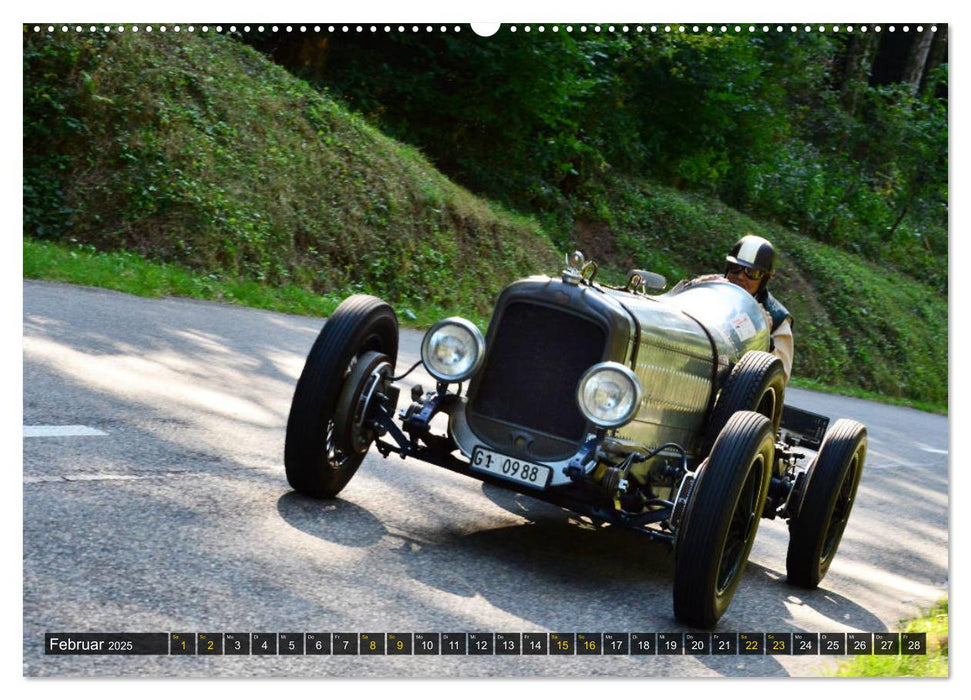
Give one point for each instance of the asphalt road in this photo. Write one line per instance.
(179, 518)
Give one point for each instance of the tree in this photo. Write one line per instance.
(917, 60)
(937, 57)
(860, 54)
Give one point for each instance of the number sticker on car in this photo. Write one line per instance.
(535, 475)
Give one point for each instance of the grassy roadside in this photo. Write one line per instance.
(197, 151)
(857, 324)
(133, 274)
(856, 393)
(934, 664)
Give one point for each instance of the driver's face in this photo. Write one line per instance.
(739, 278)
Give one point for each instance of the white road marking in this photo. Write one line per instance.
(81, 477)
(934, 450)
(60, 431)
(100, 476)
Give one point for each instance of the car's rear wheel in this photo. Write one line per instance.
(721, 519)
(827, 498)
(319, 459)
(757, 383)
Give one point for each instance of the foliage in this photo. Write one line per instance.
(893, 330)
(194, 149)
(501, 115)
(855, 325)
(536, 120)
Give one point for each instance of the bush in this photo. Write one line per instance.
(194, 149)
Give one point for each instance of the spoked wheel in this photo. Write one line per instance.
(324, 447)
(722, 517)
(827, 498)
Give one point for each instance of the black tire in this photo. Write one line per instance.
(721, 520)
(756, 383)
(827, 499)
(315, 466)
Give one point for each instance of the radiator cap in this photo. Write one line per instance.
(575, 263)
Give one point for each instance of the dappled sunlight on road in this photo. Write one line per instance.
(159, 377)
(870, 578)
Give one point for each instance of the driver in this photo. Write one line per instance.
(751, 264)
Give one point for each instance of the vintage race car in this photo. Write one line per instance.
(663, 413)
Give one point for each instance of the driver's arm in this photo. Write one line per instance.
(783, 346)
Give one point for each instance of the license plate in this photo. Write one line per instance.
(535, 475)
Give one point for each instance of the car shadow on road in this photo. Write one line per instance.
(770, 598)
(555, 549)
(338, 521)
(599, 578)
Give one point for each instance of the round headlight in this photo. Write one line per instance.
(609, 394)
(452, 350)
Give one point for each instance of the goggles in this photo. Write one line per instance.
(753, 274)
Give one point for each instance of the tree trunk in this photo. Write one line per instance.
(900, 217)
(938, 54)
(917, 60)
(860, 54)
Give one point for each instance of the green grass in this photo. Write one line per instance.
(196, 150)
(858, 326)
(133, 274)
(934, 664)
(856, 392)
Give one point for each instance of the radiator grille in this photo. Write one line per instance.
(535, 360)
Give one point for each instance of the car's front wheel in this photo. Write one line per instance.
(721, 519)
(323, 449)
